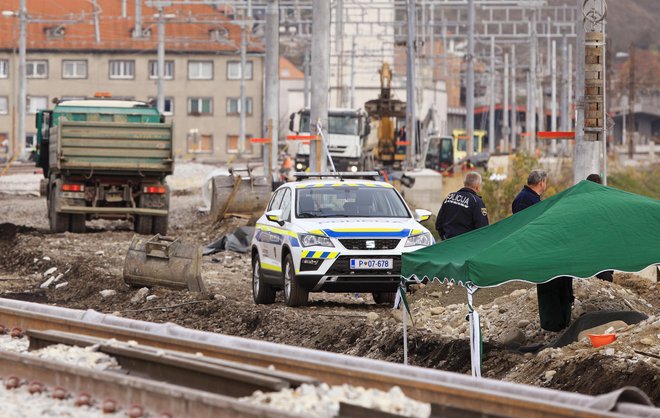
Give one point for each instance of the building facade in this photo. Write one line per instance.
(202, 73)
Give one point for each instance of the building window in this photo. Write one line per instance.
(36, 103)
(197, 143)
(169, 70)
(4, 68)
(232, 144)
(36, 69)
(234, 70)
(168, 106)
(234, 106)
(4, 105)
(122, 70)
(200, 70)
(74, 69)
(200, 106)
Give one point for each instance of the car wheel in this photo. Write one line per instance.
(262, 293)
(294, 294)
(384, 297)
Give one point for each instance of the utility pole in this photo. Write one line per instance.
(410, 86)
(272, 109)
(514, 100)
(241, 107)
(631, 102)
(306, 65)
(585, 159)
(320, 73)
(469, 88)
(339, 52)
(531, 128)
(565, 115)
(491, 111)
(161, 61)
(137, 31)
(353, 47)
(553, 104)
(505, 106)
(22, 76)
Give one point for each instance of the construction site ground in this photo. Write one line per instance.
(89, 264)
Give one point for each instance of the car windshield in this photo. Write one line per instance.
(349, 201)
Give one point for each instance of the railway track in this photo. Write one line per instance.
(245, 365)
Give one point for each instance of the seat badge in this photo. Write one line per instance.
(370, 244)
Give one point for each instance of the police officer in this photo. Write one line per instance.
(462, 211)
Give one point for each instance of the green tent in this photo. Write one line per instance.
(580, 232)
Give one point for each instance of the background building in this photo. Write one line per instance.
(74, 51)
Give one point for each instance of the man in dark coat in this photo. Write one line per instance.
(556, 296)
(462, 211)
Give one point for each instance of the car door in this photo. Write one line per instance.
(280, 235)
(269, 238)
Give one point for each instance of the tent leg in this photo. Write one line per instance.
(405, 337)
(475, 335)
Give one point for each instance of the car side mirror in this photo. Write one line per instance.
(367, 129)
(275, 216)
(291, 117)
(422, 215)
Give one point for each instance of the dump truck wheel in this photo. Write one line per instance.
(384, 297)
(77, 224)
(142, 224)
(59, 222)
(160, 225)
(294, 294)
(262, 293)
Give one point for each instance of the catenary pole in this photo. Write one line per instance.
(410, 86)
(22, 76)
(161, 62)
(469, 88)
(505, 106)
(553, 95)
(320, 75)
(272, 85)
(491, 111)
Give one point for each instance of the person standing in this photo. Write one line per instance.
(556, 296)
(462, 211)
(607, 275)
(537, 183)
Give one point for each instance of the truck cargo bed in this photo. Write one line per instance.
(142, 148)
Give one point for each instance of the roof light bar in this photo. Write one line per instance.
(366, 175)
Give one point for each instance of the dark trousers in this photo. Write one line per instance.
(555, 299)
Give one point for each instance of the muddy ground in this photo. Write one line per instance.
(344, 323)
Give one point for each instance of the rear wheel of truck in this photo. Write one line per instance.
(160, 225)
(142, 224)
(77, 224)
(59, 222)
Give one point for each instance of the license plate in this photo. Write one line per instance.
(371, 263)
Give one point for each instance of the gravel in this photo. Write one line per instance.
(323, 401)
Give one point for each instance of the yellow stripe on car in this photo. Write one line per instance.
(276, 230)
(271, 267)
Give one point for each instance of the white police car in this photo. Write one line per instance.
(334, 232)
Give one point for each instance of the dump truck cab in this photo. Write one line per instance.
(347, 133)
(105, 158)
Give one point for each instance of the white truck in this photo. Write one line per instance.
(348, 130)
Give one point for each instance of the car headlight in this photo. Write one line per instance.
(299, 166)
(309, 240)
(425, 239)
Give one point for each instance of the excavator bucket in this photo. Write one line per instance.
(164, 261)
(239, 194)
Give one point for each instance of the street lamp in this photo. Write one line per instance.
(22, 95)
(161, 57)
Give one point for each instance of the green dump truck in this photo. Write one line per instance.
(105, 158)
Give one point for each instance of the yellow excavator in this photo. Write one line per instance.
(389, 115)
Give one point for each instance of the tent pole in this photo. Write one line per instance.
(405, 336)
(475, 334)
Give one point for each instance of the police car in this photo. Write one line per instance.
(334, 232)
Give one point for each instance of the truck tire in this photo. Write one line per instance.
(59, 222)
(262, 293)
(77, 224)
(294, 294)
(384, 297)
(160, 224)
(142, 224)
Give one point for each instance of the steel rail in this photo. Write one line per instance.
(453, 391)
(155, 397)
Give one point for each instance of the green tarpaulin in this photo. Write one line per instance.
(582, 231)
